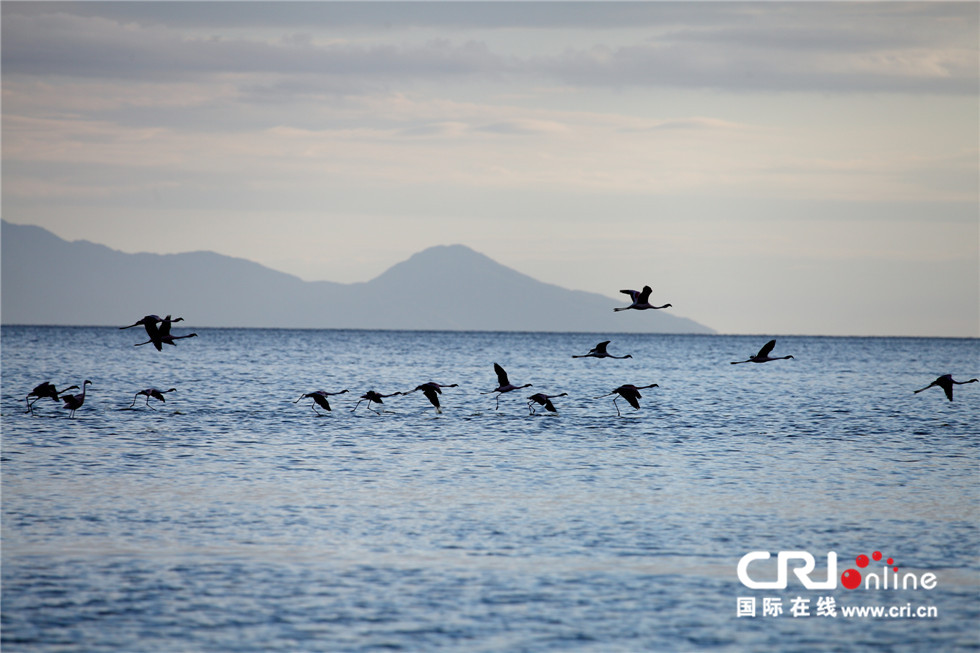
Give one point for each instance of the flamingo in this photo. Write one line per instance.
(599, 351)
(74, 402)
(431, 390)
(151, 392)
(149, 322)
(319, 397)
(641, 300)
(630, 393)
(43, 390)
(543, 400)
(161, 335)
(503, 384)
(372, 397)
(763, 355)
(946, 383)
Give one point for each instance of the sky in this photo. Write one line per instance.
(767, 168)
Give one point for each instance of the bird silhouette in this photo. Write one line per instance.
(763, 355)
(151, 392)
(599, 351)
(630, 393)
(543, 400)
(641, 300)
(160, 335)
(372, 397)
(319, 397)
(43, 390)
(149, 322)
(946, 382)
(74, 402)
(503, 384)
(431, 390)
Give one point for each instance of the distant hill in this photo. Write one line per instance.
(47, 280)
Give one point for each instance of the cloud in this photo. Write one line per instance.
(822, 47)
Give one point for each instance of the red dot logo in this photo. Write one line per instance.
(862, 561)
(876, 555)
(851, 578)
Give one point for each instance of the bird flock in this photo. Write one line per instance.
(158, 330)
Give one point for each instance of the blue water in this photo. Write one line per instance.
(232, 519)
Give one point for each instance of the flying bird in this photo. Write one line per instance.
(763, 355)
(149, 322)
(160, 335)
(641, 300)
(431, 390)
(43, 390)
(151, 392)
(372, 397)
(74, 402)
(599, 351)
(946, 382)
(543, 400)
(503, 384)
(630, 393)
(319, 397)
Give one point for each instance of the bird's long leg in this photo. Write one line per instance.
(618, 414)
(356, 405)
(134, 400)
(497, 407)
(313, 406)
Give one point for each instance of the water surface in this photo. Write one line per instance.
(232, 519)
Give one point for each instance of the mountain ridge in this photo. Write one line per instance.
(47, 280)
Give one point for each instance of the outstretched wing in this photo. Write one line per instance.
(632, 395)
(430, 393)
(501, 376)
(601, 347)
(766, 349)
(645, 295)
(632, 293)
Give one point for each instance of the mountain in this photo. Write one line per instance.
(47, 280)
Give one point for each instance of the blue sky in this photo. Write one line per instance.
(767, 168)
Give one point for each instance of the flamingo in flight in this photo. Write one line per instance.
(431, 390)
(74, 402)
(372, 397)
(946, 382)
(160, 335)
(151, 392)
(503, 384)
(543, 400)
(641, 300)
(599, 351)
(630, 393)
(319, 397)
(763, 355)
(43, 390)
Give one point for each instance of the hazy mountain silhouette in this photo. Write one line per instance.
(47, 280)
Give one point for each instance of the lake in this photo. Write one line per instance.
(233, 518)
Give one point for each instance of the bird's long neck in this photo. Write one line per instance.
(965, 382)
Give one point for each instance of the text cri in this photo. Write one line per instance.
(801, 562)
